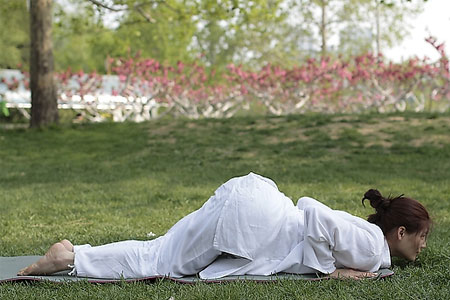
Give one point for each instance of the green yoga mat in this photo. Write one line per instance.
(9, 266)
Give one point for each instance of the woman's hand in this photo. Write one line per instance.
(351, 274)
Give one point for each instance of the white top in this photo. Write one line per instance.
(251, 219)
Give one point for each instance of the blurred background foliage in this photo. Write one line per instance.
(213, 33)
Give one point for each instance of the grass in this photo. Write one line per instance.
(99, 183)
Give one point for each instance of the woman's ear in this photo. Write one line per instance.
(401, 232)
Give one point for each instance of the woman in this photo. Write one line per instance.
(249, 227)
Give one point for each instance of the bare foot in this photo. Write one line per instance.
(351, 274)
(67, 244)
(56, 259)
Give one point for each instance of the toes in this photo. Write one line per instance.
(67, 244)
(25, 271)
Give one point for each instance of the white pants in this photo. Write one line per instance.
(126, 259)
(186, 249)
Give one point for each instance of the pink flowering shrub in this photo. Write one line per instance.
(142, 89)
(441, 82)
(185, 89)
(363, 83)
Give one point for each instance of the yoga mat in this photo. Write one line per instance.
(9, 266)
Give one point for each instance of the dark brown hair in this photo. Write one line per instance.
(391, 213)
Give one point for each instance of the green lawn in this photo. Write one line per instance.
(99, 183)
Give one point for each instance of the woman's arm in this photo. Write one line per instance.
(331, 241)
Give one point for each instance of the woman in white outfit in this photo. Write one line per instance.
(249, 227)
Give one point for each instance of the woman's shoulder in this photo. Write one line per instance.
(371, 228)
(308, 204)
(305, 202)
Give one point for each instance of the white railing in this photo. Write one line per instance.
(95, 107)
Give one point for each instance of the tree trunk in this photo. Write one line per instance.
(377, 21)
(44, 105)
(323, 29)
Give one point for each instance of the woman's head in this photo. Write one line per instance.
(404, 221)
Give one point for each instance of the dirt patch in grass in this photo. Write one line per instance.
(161, 130)
(380, 133)
(299, 137)
(396, 119)
(335, 130)
(438, 140)
(375, 131)
(429, 131)
(377, 134)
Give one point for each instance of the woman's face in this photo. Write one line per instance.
(411, 244)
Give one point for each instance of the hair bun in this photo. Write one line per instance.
(376, 200)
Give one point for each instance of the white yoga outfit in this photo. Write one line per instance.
(247, 227)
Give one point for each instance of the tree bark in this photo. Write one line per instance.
(44, 105)
(323, 27)
(377, 21)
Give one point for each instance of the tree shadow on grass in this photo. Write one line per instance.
(300, 149)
